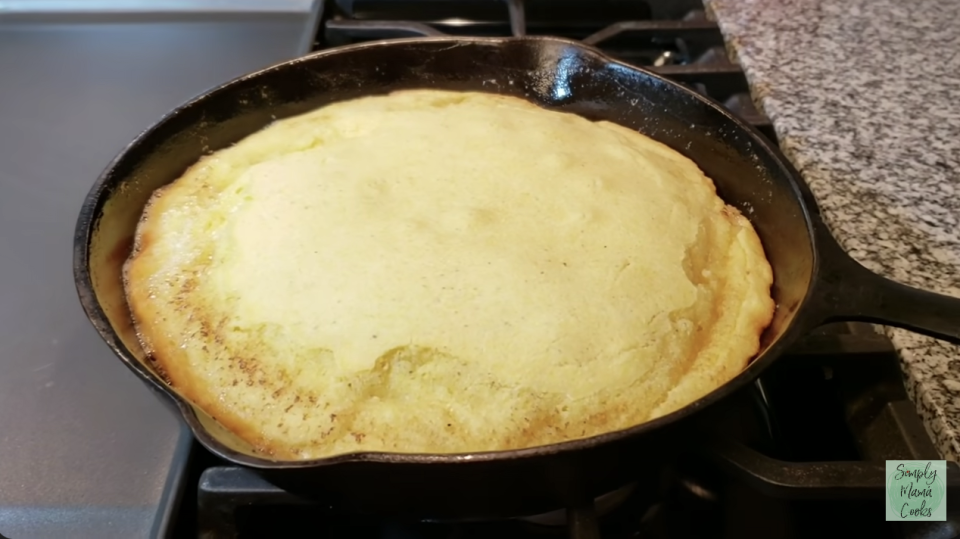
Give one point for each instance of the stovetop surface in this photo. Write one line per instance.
(86, 450)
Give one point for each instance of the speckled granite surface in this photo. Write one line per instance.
(865, 97)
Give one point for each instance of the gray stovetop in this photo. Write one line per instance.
(85, 449)
(865, 98)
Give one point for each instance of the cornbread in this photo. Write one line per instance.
(443, 272)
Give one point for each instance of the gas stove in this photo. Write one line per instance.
(798, 454)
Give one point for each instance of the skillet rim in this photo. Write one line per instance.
(98, 195)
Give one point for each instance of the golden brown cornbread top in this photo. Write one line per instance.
(439, 272)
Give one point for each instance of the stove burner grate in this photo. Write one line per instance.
(687, 47)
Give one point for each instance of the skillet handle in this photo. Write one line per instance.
(847, 291)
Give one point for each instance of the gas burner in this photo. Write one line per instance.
(602, 506)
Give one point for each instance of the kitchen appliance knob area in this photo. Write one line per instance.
(816, 282)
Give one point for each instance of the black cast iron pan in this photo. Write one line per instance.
(815, 281)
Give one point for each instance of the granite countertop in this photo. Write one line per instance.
(865, 98)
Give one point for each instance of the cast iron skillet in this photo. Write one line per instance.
(815, 281)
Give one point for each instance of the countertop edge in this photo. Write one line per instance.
(920, 355)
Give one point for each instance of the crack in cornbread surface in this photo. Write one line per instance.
(440, 272)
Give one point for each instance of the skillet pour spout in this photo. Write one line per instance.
(814, 280)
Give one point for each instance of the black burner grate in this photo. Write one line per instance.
(676, 41)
